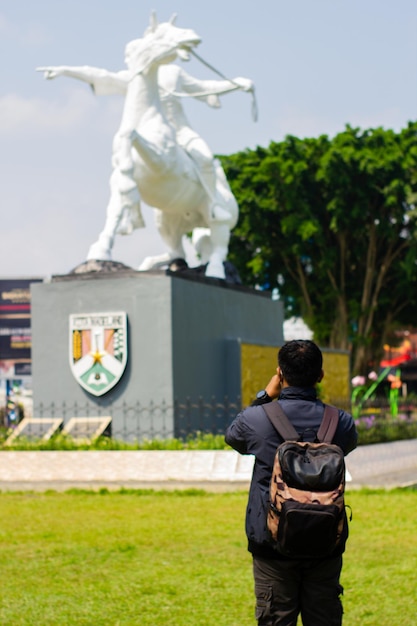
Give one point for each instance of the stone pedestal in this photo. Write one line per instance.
(184, 346)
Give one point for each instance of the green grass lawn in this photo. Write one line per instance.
(180, 559)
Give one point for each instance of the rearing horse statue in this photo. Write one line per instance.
(150, 162)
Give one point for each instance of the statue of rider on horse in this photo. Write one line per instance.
(157, 157)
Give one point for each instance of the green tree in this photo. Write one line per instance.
(331, 223)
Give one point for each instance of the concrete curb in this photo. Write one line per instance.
(381, 465)
(131, 469)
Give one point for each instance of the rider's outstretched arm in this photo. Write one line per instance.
(101, 81)
(203, 88)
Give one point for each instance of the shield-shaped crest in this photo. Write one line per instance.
(98, 350)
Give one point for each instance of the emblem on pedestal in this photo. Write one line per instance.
(98, 350)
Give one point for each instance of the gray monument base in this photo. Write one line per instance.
(183, 363)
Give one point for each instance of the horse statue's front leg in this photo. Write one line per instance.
(123, 213)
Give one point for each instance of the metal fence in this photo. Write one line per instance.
(381, 407)
(154, 421)
(181, 419)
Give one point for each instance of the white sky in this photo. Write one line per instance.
(316, 64)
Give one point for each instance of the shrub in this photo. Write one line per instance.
(200, 441)
(375, 430)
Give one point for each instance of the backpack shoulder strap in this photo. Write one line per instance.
(328, 425)
(280, 421)
(282, 424)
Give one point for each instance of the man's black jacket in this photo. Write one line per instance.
(251, 432)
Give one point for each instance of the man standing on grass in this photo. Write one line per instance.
(286, 587)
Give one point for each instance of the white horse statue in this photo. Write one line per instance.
(157, 157)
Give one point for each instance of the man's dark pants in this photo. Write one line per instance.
(286, 588)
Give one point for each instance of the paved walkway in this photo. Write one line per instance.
(384, 465)
(381, 465)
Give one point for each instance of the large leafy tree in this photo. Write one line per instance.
(332, 224)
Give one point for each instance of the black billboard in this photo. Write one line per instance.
(15, 327)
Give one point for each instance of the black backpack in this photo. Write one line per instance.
(306, 515)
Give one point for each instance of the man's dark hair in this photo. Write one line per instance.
(301, 362)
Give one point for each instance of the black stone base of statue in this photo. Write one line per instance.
(96, 265)
(181, 266)
(95, 268)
